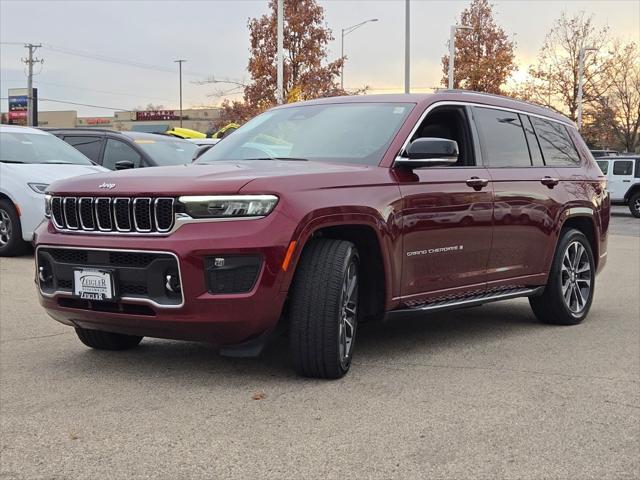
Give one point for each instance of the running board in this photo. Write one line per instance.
(470, 301)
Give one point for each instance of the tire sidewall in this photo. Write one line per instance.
(570, 237)
(635, 212)
(14, 244)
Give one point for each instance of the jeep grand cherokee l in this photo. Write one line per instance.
(319, 215)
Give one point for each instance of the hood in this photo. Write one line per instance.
(195, 179)
(47, 173)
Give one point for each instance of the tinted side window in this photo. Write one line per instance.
(557, 146)
(604, 166)
(502, 138)
(623, 167)
(117, 151)
(534, 145)
(90, 146)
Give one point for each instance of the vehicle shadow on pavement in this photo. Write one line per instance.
(392, 340)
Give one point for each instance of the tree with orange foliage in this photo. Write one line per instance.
(306, 74)
(484, 57)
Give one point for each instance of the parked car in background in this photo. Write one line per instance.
(123, 150)
(604, 153)
(30, 160)
(316, 216)
(623, 177)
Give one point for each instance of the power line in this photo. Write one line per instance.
(75, 87)
(82, 104)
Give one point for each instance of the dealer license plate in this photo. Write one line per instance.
(93, 284)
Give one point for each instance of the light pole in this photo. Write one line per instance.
(583, 51)
(345, 32)
(280, 54)
(452, 50)
(407, 46)
(180, 62)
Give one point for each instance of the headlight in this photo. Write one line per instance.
(213, 206)
(47, 206)
(38, 187)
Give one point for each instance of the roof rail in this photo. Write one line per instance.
(79, 129)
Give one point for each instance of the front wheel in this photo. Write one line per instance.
(569, 292)
(324, 309)
(11, 242)
(634, 204)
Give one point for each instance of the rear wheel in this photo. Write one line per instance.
(634, 204)
(567, 297)
(324, 309)
(11, 242)
(107, 340)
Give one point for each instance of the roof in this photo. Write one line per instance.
(19, 129)
(468, 96)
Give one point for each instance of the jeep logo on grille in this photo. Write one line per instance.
(107, 185)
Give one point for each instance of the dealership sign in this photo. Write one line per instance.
(157, 115)
(18, 106)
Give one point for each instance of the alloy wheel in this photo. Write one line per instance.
(348, 314)
(576, 277)
(636, 204)
(5, 228)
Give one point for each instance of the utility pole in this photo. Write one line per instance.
(30, 61)
(452, 50)
(280, 60)
(180, 62)
(407, 41)
(583, 52)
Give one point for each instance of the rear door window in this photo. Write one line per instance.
(623, 167)
(557, 147)
(502, 138)
(532, 140)
(116, 151)
(88, 145)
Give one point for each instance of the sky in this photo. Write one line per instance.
(212, 36)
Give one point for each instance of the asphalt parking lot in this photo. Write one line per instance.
(483, 393)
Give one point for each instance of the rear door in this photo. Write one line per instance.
(621, 178)
(526, 197)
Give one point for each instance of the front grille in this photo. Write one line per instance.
(120, 214)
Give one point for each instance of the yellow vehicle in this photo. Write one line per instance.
(226, 130)
(185, 133)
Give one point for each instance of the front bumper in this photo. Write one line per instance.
(222, 319)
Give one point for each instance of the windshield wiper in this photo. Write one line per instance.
(12, 161)
(286, 159)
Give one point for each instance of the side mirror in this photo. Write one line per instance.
(201, 150)
(429, 152)
(124, 165)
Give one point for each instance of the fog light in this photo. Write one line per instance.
(172, 283)
(44, 273)
(232, 274)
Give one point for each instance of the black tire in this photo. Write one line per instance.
(11, 243)
(316, 309)
(551, 306)
(106, 340)
(634, 204)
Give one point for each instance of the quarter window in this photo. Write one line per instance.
(623, 167)
(117, 151)
(557, 147)
(502, 137)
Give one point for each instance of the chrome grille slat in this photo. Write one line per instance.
(132, 215)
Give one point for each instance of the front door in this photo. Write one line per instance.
(620, 178)
(446, 216)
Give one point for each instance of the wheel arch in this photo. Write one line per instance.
(365, 232)
(635, 188)
(583, 220)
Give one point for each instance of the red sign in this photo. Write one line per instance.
(157, 115)
(97, 121)
(18, 114)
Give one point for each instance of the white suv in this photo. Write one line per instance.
(623, 179)
(30, 159)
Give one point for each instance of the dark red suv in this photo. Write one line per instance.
(317, 216)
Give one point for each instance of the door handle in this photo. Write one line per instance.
(477, 183)
(626, 181)
(549, 181)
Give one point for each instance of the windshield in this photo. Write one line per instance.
(21, 147)
(166, 151)
(346, 132)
